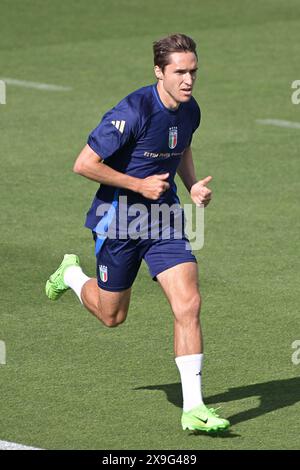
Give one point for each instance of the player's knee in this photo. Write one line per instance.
(193, 305)
(111, 322)
(196, 304)
(189, 309)
(115, 320)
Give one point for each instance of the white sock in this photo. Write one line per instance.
(74, 277)
(190, 373)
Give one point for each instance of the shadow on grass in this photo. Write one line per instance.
(273, 396)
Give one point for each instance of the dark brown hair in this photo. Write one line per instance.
(174, 43)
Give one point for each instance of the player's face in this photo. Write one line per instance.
(175, 83)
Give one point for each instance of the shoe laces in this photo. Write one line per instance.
(213, 411)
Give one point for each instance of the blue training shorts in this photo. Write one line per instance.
(118, 261)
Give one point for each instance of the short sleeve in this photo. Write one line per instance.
(117, 128)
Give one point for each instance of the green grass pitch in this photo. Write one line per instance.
(71, 383)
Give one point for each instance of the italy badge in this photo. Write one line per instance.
(103, 273)
(172, 137)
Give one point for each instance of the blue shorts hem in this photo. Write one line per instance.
(171, 265)
(114, 289)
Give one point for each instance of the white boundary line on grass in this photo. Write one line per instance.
(279, 123)
(37, 86)
(5, 445)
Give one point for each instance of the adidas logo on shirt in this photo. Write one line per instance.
(120, 125)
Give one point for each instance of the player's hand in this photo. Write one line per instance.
(154, 186)
(200, 194)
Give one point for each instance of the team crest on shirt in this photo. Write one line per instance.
(172, 137)
(103, 273)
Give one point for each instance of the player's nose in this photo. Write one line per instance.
(188, 79)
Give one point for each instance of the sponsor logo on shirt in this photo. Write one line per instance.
(172, 137)
(103, 273)
(163, 155)
(120, 125)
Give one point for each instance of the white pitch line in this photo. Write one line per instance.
(279, 123)
(4, 445)
(37, 86)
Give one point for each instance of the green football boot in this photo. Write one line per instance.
(55, 285)
(205, 419)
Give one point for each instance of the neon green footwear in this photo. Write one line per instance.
(55, 285)
(202, 418)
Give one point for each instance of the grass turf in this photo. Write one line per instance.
(71, 383)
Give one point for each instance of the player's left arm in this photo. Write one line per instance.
(199, 193)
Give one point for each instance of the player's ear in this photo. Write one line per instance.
(158, 72)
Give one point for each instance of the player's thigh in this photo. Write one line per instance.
(113, 304)
(181, 286)
(173, 264)
(117, 264)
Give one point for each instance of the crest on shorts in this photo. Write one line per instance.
(172, 137)
(103, 273)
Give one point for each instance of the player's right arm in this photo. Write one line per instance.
(90, 165)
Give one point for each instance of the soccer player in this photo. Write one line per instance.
(135, 152)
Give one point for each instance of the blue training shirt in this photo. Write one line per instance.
(140, 137)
